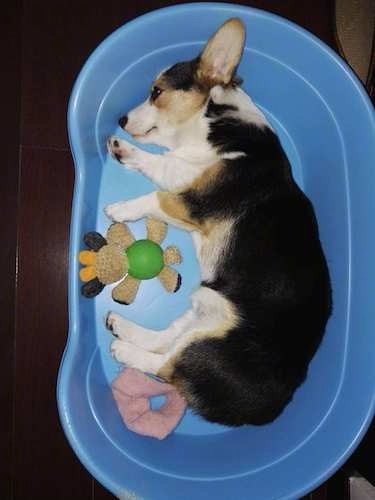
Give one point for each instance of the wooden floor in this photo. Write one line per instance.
(45, 45)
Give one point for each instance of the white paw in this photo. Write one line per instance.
(123, 152)
(118, 326)
(116, 211)
(110, 322)
(124, 352)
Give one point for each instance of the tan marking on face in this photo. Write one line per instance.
(166, 372)
(178, 105)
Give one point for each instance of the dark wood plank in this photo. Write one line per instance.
(44, 462)
(371, 78)
(316, 17)
(100, 493)
(318, 494)
(338, 485)
(362, 459)
(58, 41)
(9, 145)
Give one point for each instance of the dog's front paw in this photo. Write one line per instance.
(116, 211)
(110, 322)
(126, 210)
(123, 151)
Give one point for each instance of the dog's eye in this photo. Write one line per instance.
(155, 92)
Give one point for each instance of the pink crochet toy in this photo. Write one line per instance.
(132, 390)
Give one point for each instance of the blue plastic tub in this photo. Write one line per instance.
(326, 124)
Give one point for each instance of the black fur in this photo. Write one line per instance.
(92, 288)
(122, 302)
(274, 272)
(215, 110)
(181, 76)
(95, 241)
(178, 284)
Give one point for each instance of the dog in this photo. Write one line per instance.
(239, 353)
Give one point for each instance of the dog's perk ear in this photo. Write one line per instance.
(221, 55)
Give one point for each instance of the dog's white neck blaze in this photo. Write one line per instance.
(188, 141)
(191, 139)
(247, 111)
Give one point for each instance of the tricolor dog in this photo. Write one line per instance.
(260, 312)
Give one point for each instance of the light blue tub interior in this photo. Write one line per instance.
(326, 124)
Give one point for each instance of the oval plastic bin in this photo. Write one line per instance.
(326, 124)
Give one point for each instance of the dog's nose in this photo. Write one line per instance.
(123, 121)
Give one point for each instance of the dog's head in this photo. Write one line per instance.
(179, 92)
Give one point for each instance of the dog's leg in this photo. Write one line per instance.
(166, 170)
(167, 207)
(212, 315)
(136, 357)
(149, 340)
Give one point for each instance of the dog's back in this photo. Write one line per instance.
(273, 271)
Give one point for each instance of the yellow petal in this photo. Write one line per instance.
(87, 273)
(87, 257)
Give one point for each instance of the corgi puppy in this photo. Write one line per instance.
(257, 319)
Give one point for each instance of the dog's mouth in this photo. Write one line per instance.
(138, 136)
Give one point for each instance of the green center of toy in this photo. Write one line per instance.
(145, 259)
